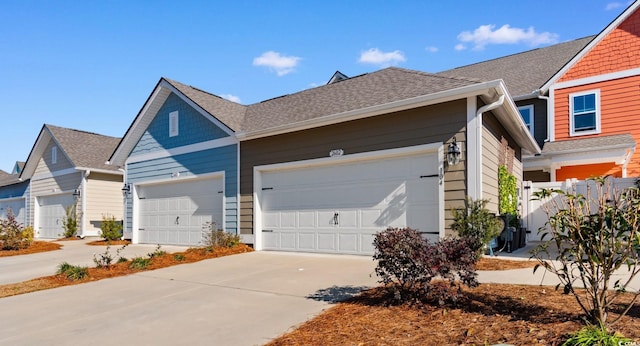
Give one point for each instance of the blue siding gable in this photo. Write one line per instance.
(192, 125)
(14, 190)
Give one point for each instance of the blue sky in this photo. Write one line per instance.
(90, 65)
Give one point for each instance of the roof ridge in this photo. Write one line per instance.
(519, 53)
(77, 130)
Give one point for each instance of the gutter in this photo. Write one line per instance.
(475, 166)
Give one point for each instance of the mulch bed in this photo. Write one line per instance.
(35, 247)
(120, 269)
(489, 314)
(493, 263)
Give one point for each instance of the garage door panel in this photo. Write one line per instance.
(339, 208)
(51, 212)
(17, 208)
(306, 241)
(348, 242)
(327, 241)
(175, 213)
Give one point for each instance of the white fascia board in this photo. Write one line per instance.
(616, 154)
(215, 143)
(104, 171)
(131, 137)
(395, 106)
(616, 22)
(597, 79)
(510, 118)
(35, 154)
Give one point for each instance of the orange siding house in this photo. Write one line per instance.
(595, 112)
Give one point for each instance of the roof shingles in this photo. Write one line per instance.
(85, 149)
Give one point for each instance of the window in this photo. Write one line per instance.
(585, 113)
(173, 124)
(54, 155)
(527, 115)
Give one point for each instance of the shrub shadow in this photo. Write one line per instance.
(336, 294)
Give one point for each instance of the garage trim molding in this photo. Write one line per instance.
(380, 154)
(135, 221)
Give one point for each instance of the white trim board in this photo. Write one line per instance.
(159, 154)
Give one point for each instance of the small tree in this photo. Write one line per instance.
(595, 235)
(475, 221)
(13, 235)
(70, 222)
(110, 229)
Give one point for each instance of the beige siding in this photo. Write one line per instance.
(104, 196)
(45, 165)
(51, 186)
(490, 150)
(431, 124)
(492, 134)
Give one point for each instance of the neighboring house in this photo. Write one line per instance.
(13, 196)
(323, 169)
(67, 167)
(579, 99)
(595, 118)
(17, 168)
(181, 161)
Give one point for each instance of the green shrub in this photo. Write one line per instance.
(475, 221)
(178, 257)
(110, 229)
(13, 236)
(595, 336)
(70, 222)
(71, 272)
(140, 263)
(593, 235)
(157, 253)
(212, 237)
(105, 259)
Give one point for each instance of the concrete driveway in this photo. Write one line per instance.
(245, 299)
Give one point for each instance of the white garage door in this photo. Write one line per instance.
(51, 213)
(17, 208)
(339, 208)
(175, 213)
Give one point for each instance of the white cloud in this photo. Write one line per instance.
(230, 97)
(460, 46)
(377, 57)
(431, 49)
(612, 6)
(485, 35)
(280, 63)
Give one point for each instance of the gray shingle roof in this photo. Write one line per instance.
(524, 72)
(230, 113)
(591, 143)
(85, 149)
(376, 88)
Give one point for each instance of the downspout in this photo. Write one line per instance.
(83, 203)
(478, 144)
(627, 159)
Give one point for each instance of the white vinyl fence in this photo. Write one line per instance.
(533, 214)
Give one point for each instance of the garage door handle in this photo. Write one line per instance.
(177, 220)
(336, 219)
(267, 230)
(140, 229)
(430, 176)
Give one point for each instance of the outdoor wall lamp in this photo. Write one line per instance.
(76, 194)
(126, 189)
(453, 154)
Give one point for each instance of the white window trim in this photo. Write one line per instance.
(531, 118)
(597, 130)
(174, 122)
(54, 155)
